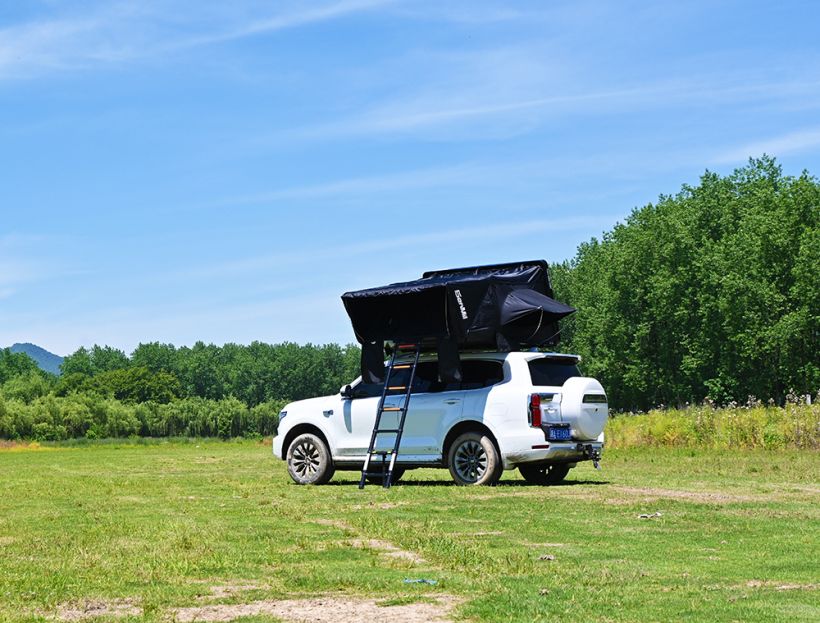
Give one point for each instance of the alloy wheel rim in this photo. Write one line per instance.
(305, 459)
(470, 461)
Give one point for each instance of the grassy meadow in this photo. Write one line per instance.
(166, 530)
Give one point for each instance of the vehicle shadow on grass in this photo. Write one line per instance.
(450, 483)
(566, 483)
(502, 484)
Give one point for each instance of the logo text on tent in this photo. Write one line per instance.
(461, 304)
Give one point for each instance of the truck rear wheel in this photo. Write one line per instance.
(474, 460)
(544, 474)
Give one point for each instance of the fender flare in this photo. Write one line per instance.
(467, 424)
(306, 427)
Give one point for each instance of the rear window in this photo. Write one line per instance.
(552, 371)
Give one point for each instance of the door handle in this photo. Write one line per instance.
(452, 401)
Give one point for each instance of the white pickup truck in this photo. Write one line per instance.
(529, 410)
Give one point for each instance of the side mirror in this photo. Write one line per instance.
(346, 391)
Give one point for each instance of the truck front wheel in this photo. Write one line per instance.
(309, 460)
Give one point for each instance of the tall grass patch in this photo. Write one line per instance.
(755, 426)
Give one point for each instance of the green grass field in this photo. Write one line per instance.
(164, 531)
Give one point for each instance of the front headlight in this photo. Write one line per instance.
(282, 415)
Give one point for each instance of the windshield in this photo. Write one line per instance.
(552, 372)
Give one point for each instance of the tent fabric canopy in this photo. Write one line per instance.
(498, 307)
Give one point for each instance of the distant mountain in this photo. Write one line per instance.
(46, 360)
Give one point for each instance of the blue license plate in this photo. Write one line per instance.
(559, 434)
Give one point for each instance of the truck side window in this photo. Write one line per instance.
(427, 378)
(367, 390)
(399, 378)
(476, 373)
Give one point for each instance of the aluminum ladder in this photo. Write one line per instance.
(386, 468)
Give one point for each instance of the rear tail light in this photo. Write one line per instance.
(535, 410)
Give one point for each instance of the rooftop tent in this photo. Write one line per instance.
(498, 307)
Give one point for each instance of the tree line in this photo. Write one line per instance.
(161, 390)
(255, 373)
(712, 293)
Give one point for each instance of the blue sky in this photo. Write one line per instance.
(184, 170)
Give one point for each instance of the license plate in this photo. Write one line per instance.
(559, 434)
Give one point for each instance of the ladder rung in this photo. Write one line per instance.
(406, 346)
(392, 408)
(381, 452)
(397, 387)
(387, 430)
(402, 366)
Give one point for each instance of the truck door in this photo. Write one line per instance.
(432, 405)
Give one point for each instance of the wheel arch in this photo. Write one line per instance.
(467, 426)
(301, 429)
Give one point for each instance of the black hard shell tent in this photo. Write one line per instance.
(498, 307)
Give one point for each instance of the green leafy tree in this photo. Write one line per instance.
(13, 365)
(137, 385)
(264, 418)
(106, 359)
(156, 357)
(8, 430)
(73, 382)
(711, 292)
(94, 361)
(27, 387)
(79, 362)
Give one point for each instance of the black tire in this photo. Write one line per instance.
(474, 460)
(398, 472)
(544, 474)
(309, 460)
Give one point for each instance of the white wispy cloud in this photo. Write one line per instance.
(114, 33)
(395, 119)
(507, 89)
(503, 230)
(548, 174)
(282, 21)
(64, 42)
(486, 108)
(464, 12)
(16, 272)
(40, 43)
(471, 173)
(26, 259)
(801, 141)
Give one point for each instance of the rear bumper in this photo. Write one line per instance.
(553, 452)
(277, 446)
